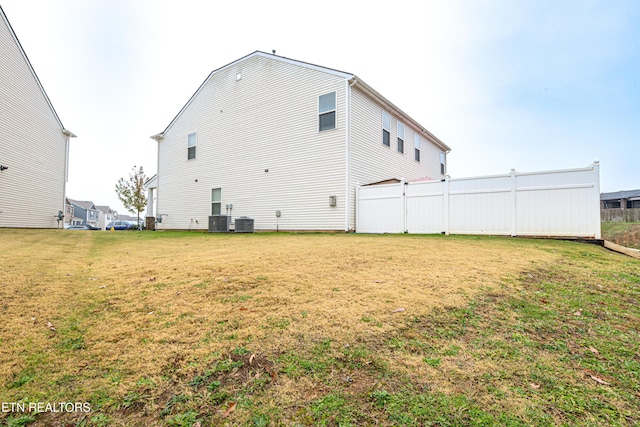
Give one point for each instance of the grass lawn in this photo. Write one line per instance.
(198, 329)
(623, 233)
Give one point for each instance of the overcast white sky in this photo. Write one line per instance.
(530, 85)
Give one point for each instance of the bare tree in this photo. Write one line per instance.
(131, 192)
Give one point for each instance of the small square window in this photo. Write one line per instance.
(327, 111)
(191, 146)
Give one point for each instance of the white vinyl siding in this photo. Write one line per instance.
(32, 144)
(264, 162)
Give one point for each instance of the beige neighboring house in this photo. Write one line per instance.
(286, 143)
(34, 145)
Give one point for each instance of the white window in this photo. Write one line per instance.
(386, 129)
(216, 201)
(191, 146)
(442, 163)
(400, 137)
(327, 111)
(416, 145)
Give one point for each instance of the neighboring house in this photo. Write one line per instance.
(106, 215)
(151, 185)
(84, 211)
(69, 214)
(286, 143)
(34, 145)
(620, 200)
(620, 206)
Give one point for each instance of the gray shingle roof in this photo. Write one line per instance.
(617, 195)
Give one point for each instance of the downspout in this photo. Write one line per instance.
(157, 138)
(68, 135)
(347, 186)
(66, 177)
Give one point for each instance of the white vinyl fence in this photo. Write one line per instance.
(563, 203)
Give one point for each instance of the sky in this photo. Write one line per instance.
(526, 85)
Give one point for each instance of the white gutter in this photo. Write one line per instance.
(381, 99)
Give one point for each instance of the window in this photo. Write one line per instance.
(191, 146)
(416, 144)
(400, 137)
(386, 129)
(216, 201)
(442, 163)
(327, 111)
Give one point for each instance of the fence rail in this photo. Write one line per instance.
(620, 215)
(564, 203)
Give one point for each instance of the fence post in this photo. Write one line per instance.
(403, 183)
(513, 203)
(445, 205)
(357, 207)
(596, 194)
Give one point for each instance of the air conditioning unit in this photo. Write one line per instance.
(244, 225)
(219, 223)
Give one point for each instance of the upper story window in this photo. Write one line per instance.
(327, 111)
(386, 129)
(191, 146)
(400, 137)
(416, 145)
(442, 163)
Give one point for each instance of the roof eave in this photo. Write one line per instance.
(376, 95)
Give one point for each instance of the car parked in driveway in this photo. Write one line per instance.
(82, 227)
(118, 225)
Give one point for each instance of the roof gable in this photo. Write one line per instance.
(84, 204)
(257, 53)
(33, 72)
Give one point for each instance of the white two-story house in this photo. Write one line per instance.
(34, 145)
(286, 143)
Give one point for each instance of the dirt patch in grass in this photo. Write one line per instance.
(179, 328)
(622, 233)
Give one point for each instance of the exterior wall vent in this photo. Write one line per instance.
(244, 225)
(219, 223)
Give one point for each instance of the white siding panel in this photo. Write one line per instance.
(268, 120)
(555, 203)
(32, 144)
(425, 206)
(380, 209)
